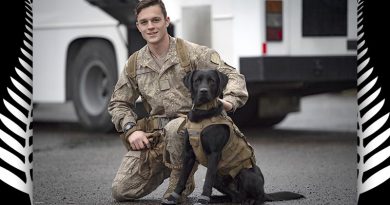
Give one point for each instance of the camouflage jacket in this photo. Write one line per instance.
(163, 89)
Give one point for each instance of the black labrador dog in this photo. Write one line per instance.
(247, 187)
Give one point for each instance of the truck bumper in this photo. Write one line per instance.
(301, 75)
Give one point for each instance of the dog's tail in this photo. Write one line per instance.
(283, 195)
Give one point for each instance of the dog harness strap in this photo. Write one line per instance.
(207, 106)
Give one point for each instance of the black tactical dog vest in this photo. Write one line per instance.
(237, 153)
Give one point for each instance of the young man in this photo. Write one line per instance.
(156, 74)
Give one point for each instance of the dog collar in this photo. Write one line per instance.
(207, 106)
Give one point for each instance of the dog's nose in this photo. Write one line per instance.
(203, 90)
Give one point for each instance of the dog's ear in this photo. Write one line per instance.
(223, 80)
(187, 80)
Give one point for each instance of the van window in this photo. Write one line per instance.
(324, 17)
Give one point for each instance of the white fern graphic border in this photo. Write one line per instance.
(12, 105)
(374, 109)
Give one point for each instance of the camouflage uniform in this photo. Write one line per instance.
(162, 88)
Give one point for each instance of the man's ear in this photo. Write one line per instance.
(223, 80)
(187, 80)
(167, 21)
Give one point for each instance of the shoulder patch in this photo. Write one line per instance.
(215, 58)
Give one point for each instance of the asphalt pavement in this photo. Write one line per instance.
(312, 152)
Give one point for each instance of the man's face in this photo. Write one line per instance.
(152, 24)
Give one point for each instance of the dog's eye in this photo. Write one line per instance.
(197, 80)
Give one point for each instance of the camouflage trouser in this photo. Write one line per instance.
(141, 172)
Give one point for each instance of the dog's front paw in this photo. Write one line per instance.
(172, 199)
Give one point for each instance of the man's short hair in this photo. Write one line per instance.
(147, 3)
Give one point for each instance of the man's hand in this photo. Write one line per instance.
(138, 140)
(226, 105)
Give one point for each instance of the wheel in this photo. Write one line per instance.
(247, 116)
(244, 115)
(95, 75)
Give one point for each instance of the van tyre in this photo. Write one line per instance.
(94, 74)
(247, 116)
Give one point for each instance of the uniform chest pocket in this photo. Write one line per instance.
(143, 70)
(145, 79)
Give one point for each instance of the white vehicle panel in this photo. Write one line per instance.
(56, 25)
(59, 13)
(50, 49)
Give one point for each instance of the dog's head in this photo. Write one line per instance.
(205, 85)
